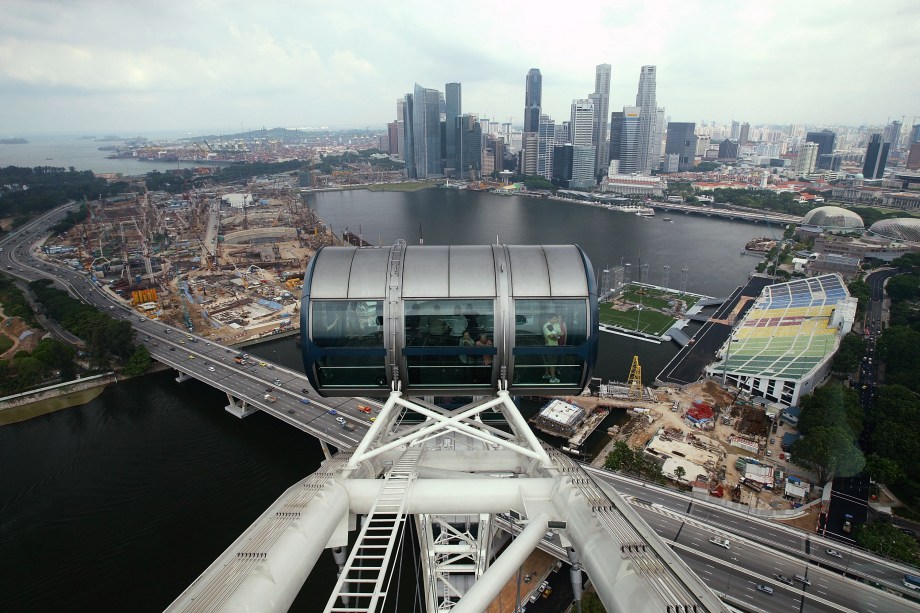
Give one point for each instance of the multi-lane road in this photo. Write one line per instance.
(760, 550)
(341, 422)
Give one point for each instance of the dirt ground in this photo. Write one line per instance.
(538, 566)
(13, 331)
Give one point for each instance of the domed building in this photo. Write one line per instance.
(834, 219)
(904, 229)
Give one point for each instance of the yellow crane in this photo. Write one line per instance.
(635, 379)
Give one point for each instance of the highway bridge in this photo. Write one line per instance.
(780, 219)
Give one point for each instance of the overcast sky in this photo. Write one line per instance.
(205, 65)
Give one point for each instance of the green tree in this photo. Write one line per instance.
(830, 451)
(831, 404)
(860, 290)
(903, 287)
(883, 470)
(849, 354)
(679, 472)
(138, 363)
(898, 348)
(622, 458)
(886, 540)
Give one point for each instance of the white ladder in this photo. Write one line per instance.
(368, 566)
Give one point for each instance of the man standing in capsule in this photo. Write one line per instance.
(551, 333)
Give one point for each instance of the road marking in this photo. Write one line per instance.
(822, 592)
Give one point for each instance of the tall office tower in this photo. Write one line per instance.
(452, 111)
(583, 167)
(468, 141)
(533, 96)
(736, 131)
(808, 157)
(426, 132)
(648, 118)
(616, 138)
(914, 134)
(408, 142)
(829, 161)
(681, 141)
(601, 108)
(581, 124)
(876, 157)
(660, 125)
(562, 133)
(744, 134)
(913, 157)
(401, 139)
(892, 134)
(825, 139)
(545, 142)
(629, 140)
(562, 164)
(393, 138)
(530, 147)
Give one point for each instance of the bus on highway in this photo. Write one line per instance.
(912, 581)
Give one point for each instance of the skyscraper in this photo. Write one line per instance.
(825, 139)
(408, 142)
(581, 125)
(468, 142)
(892, 134)
(744, 136)
(736, 131)
(601, 108)
(452, 110)
(876, 157)
(914, 134)
(426, 132)
(546, 141)
(648, 118)
(616, 138)
(629, 140)
(681, 141)
(808, 156)
(533, 96)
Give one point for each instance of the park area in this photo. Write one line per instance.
(646, 309)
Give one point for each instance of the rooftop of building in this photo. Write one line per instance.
(791, 329)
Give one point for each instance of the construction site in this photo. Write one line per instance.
(223, 264)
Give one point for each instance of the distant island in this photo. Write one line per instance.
(86, 138)
(13, 141)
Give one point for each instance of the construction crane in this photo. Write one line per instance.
(635, 379)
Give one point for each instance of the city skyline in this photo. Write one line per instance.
(90, 66)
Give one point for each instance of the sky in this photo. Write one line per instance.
(87, 66)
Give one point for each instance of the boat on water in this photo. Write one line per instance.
(665, 219)
(642, 211)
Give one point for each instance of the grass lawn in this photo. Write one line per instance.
(650, 322)
(5, 343)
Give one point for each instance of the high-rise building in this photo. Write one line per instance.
(453, 109)
(601, 108)
(426, 132)
(825, 139)
(562, 164)
(736, 131)
(649, 152)
(562, 133)
(914, 135)
(913, 157)
(393, 138)
(876, 157)
(681, 141)
(408, 142)
(808, 157)
(533, 96)
(829, 161)
(581, 125)
(744, 134)
(629, 140)
(616, 138)
(892, 134)
(546, 139)
(530, 148)
(468, 142)
(582, 167)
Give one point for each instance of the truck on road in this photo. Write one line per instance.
(270, 398)
(349, 425)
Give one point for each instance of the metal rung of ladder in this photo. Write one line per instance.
(376, 542)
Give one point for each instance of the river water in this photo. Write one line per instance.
(117, 505)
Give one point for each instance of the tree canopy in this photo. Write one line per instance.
(830, 451)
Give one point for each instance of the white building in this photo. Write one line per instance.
(808, 157)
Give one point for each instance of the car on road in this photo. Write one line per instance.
(191, 357)
(277, 381)
(373, 419)
(341, 420)
(773, 441)
(305, 400)
(784, 579)
(211, 368)
(261, 363)
(802, 579)
(766, 589)
(332, 412)
(834, 553)
(721, 542)
(290, 411)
